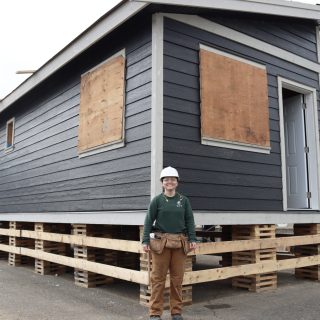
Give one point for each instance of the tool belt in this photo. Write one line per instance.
(170, 241)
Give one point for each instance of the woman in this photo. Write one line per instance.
(174, 216)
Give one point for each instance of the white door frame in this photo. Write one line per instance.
(312, 132)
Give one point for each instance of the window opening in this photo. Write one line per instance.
(9, 136)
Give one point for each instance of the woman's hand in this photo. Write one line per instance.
(145, 248)
(193, 246)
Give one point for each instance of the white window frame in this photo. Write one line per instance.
(6, 149)
(312, 130)
(220, 143)
(114, 144)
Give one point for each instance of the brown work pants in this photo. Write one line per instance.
(175, 259)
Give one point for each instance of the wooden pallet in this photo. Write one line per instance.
(145, 295)
(18, 225)
(4, 224)
(226, 256)
(258, 282)
(311, 272)
(88, 279)
(50, 246)
(93, 230)
(46, 267)
(21, 242)
(17, 260)
(50, 227)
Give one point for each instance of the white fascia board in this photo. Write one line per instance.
(137, 217)
(104, 27)
(272, 7)
(242, 38)
(157, 104)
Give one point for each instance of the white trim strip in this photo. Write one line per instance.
(234, 145)
(312, 137)
(105, 147)
(239, 37)
(104, 27)
(11, 148)
(232, 56)
(272, 7)
(157, 104)
(318, 41)
(120, 53)
(137, 217)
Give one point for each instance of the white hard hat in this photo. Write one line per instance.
(169, 172)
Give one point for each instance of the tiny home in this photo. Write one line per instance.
(227, 92)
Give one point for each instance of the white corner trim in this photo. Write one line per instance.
(103, 148)
(232, 56)
(239, 37)
(272, 7)
(104, 27)
(234, 145)
(312, 137)
(157, 104)
(120, 53)
(6, 149)
(318, 41)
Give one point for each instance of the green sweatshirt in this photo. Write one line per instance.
(173, 216)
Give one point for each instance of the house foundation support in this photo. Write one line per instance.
(310, 272)
(255, 282)
(18, 260)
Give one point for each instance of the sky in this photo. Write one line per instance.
(33, 31)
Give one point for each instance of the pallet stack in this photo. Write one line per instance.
(145, 291)
(129, 260)
(46, 267)
(226, 256)
(311, 272)
(4, 240)
(259, 282)
(85, 278)
(18, 260)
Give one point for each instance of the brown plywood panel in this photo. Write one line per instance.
(102, 104)
(234, 100)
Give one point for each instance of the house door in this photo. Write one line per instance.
(296, 156)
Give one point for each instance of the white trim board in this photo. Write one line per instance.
(272, 7)
(137, 217)
(312, 138)
(6, 149)
(239, 37)
(318, 41)
(157, 104)
(234, 145)
(104, 27)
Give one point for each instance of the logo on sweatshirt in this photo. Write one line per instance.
(179, 204)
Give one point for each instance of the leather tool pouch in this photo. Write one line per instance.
(185, 244)
(157, 244)
(173, 241)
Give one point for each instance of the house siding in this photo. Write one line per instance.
(219, 178)
(44, 172)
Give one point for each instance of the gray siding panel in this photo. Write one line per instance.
(44, 172)
(220, 178)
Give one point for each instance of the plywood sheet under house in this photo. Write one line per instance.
(102, 104)
(234, 100)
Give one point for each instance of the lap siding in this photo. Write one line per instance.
(44, 172)
(220, 178)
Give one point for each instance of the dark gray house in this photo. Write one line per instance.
(225, 91)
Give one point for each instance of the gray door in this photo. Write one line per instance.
(296, 160)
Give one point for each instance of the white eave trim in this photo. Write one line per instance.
(104, 27)
(103, 148)
(272, 7)
(242, 38)
(234, 145)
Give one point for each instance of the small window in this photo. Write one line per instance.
(234, 102)
(101, 121)
(9, 136)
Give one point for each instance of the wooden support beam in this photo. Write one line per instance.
(104, 243)
(10, 249)
(248, 269)
(10, 232)
(111, 271)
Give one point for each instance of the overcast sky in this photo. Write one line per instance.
(32, 31)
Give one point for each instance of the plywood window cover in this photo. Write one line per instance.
(227, 143)
(113, 144)
(6, 149)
